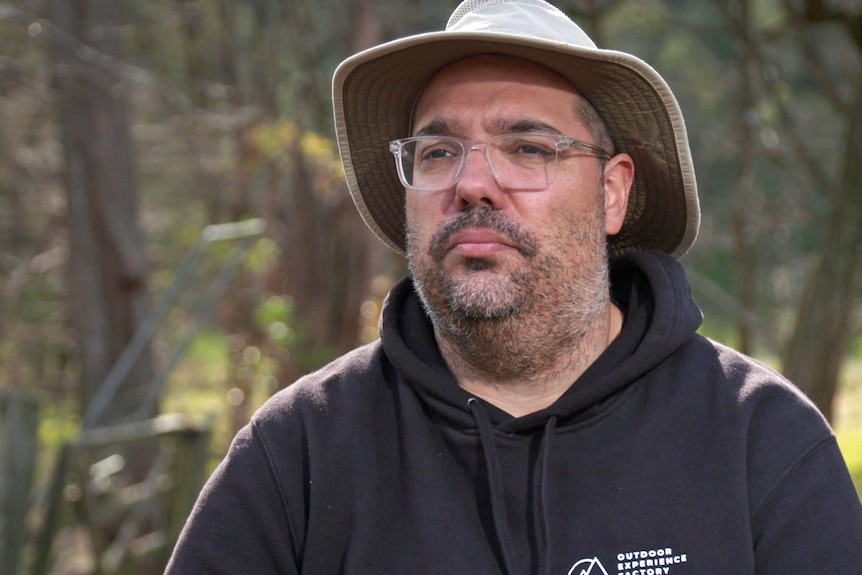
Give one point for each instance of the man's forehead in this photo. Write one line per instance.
(502, 93)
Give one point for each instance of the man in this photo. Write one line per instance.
(533, 405)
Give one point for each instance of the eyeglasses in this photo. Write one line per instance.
(519, 161)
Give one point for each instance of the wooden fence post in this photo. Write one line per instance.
(19, 420)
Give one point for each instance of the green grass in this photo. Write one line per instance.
(851, 446)
(848, 418)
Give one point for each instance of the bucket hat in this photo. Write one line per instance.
(374, 93)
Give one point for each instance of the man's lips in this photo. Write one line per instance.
(478, 243)
(478, 234)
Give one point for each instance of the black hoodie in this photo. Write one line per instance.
(671, 455)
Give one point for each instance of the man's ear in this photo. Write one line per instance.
(619, 175)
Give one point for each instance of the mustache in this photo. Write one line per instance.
(485, 218)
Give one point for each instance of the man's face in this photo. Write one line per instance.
(479, 251)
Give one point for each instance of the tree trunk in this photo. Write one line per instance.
(107, 288)
(824, 323)
(744, 252)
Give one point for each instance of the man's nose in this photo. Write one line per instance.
(477, 184)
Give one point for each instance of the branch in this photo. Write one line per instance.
(819, 12)
(812, 165)
(128, 74)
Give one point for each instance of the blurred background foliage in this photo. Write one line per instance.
(128, 127)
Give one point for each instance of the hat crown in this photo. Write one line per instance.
(532, 18)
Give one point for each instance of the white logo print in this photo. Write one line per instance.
(659, 561)
(650, 562)
(588, 567)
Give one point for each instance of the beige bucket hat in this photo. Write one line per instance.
(375, 90)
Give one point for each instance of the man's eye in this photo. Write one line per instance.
(437, 153)
(529, 148)
(532, 149)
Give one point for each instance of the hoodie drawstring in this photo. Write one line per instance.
(497, 493)
(495, 480)
(540, 513)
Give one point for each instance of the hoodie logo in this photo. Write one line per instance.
(588, 567)
(646, 562)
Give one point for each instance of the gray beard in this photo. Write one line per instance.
(528, 322)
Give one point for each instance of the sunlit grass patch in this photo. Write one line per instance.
(851, 446)
(848, 417)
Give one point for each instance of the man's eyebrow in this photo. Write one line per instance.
(524, 125)
(440, 127)
(437, 127)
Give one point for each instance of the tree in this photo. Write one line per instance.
(108, 279)
(825, 318)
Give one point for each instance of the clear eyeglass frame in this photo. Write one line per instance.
(519, 161)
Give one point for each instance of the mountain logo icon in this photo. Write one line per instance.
(588, 567)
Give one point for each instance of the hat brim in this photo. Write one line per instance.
(374, 93)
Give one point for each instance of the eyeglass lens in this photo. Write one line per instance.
(518, 161)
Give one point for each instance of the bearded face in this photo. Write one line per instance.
(512, 316)
(514, 280)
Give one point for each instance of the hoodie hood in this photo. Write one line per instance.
(660, 316)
